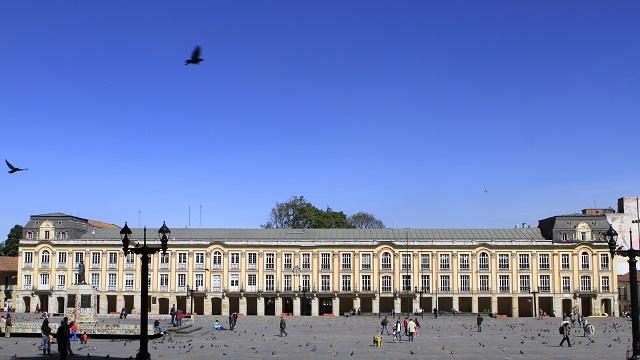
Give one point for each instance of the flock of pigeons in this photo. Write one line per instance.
(195, 59)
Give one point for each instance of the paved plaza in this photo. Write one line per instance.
(448, 337)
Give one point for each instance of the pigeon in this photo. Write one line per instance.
(13, 169)
(521, 352)
(195, 57)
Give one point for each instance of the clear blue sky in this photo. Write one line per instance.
(406, 109)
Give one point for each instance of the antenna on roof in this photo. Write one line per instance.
(189, 215)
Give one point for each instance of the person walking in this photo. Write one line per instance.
(411, 327)
(230, 322)
(45, 330)
(179, 317)
(417, 326)
(385, 326)
(8, 326)
(405, 324)
(63, 336)
(235, 319)
(435, 312)
(172, 312)
(398, 330)
(479, 321)
(573, 319)
(283, 326)
(68, 335)
(565, 330)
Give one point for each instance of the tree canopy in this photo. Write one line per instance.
(10, 246)
(298, 213)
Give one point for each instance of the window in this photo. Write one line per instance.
(306, 282)
(583, 236)
(346, 261)
(216, 283)
(270, 261)
(63, 235)
(252, 261)
(545, 283)
(199, 282)
(149, 276)
(269, 283)
(325, 282)
(386, 284)
(199, 260)
(325, 261)
(95, 280)
(543, 262)
(287, 283)
(406, 261)
(425, 261)
(306, 261)
(28, 258)
(288, 261)
(566, 284)
(62, 259)
(164, 261)
(164, 282)
(182, 260)
(46, 234)
(523, 261)
(445, 261)
(44, 258)
(585, 283)
(503, 281)
(425, 283)
(76, 278)
(62, 282)
(252, 282)
(181, 281)
(26, 282)
(604, 261)
(584, 261)
(346, 282)
(465, 283)
(564, 237)
(503, 261)
(483, 283)
(604, 284)
(112, 282)
(623, 293)
(95, 260)
(365, 261)
(29, 235)
(464, 263)
(235, 261)
(483, 261)
(113, 260)
(565, 262)
(128, 281)
(385, 261)
(406, 282)
(234, 282)
(216, 260)
(79, 257)
(130, 261)
(366, 283)
(44, 281)
(525, 283)
(445, 283)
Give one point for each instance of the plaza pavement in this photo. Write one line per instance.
(448, 337)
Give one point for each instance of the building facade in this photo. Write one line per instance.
(8, 278)
(624, 292)
(325, 271)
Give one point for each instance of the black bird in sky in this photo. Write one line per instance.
(195, 57)
(12, 168)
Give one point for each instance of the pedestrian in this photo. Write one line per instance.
(417, 326)
(37, 308)
(398, 330)
(435, 312)
(3, 324)
(385, 326)
(45, 330)
(393, 313)
(179, 317)
(8, 326)
(359, 312)
(573, 319)
(235, 319)
(411, 327)
(123, 313)
(84, 338)
(283, 326)
(565, 330)
(68, 335)
(479, 321)
(172, 312)
(230, 322)
(405, 324)
(63, 335)
(158, 329)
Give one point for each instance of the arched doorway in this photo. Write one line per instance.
(326, 306)
(163, 304)
(269, 306)
(44, 302)
(27, 304)
(216, 306)
(606, 306)
(198, 305)
(60, 301)
(287, 305)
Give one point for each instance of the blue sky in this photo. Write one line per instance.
(406, 109)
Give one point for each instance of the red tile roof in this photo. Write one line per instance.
(9, 263)
(625, 277)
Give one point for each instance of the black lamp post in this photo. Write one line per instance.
(420, 304)
(611, 235)
(535, 307)
(190, 292)
(144, 250)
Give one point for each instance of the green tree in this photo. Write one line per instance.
(10, 246)
(363, 220)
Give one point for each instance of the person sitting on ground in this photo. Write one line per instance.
(84, 338)
(156, 326)
(217, 325)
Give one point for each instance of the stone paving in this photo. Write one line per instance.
(448, 337)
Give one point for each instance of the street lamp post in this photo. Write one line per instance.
(420, 304)
(296, 273)
(611, 235)
(190, 292)
(144, 251)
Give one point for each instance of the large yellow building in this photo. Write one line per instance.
(562, 265)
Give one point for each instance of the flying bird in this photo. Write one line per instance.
(12, 168)
(195, 57)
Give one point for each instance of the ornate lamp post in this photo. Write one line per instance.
(535, 306)
(420, 306)
(144, 251)
(190, 292)
(611, 235)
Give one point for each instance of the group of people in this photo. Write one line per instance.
(410, 328)
(176, 316)
(66, 331)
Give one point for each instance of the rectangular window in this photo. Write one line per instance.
(199, 260)
(565, 262)
(46, 234)
(269, 283)
(584, 257)
(269, 261)
(95, 260)
(543, 262)
(288, 261)
(604, 284)
(483, 261)
(406, 261)
(464, 262)
(113, 260)
(235, 261)
(523, 261)
(306, 261)
(130, 261)
(95, 280)
(234, 282)
(44, 281)
(62, 259)
(445, 283)
(585, 283)
(365, 261)
(216, 283)
(425, 283)
(525, 283)
(62, 282)
(26, 282)
(199, 282)
(406, 282)
(128, 282)
(288, 285)
(545, 283)
(425, 261)
(306, 282)
(182, 282)
(63, 235)
(76, 278)
(465, 283)
(346, 282)
(386, 284)
(252, 283)
(445, 261)
(604, 261)
(164, 261)
(385, 261)
(164, 282)
(566, 284)
(346, 261)
(79, 257)
(504, 283)
(29, 235)
(182, 260)
(503, 261)
(325, 282)
(112, 282)
(28, 259)
(325, 261)
(483, 283)
(366, 283)
(252, 261)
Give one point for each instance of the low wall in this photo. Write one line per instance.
(92, 329)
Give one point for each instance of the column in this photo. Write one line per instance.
(416, 303)
(375, 305)
(397, 305)
(119, 302)
(557, 305)
(314, 306)
(225, 305)
(104, 304)
(260, 305)
(278, 300)
(208, 307)
(514, 306)
(296, 306)
(494, 303)
(356, 302)
(243, 305)
(335, 305)
(456, 302)
(474, 304)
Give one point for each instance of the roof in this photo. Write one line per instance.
(625, 277)
(102, 225)
(9, 263)
(55, 214)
